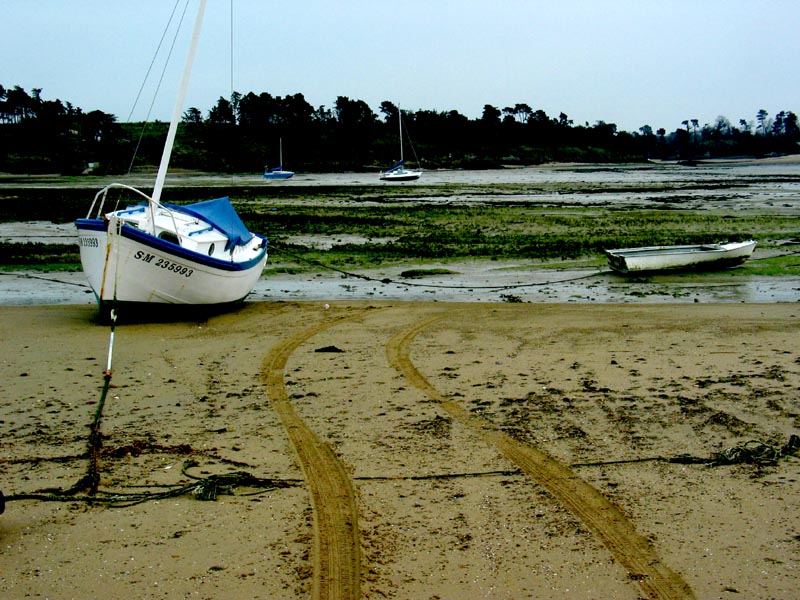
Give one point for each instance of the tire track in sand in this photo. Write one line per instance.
(337, 545)
(585, 502)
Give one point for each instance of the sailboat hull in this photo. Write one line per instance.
(269, 175)
(401, 176)
(399, 172)
(126, 265)
(200, 254)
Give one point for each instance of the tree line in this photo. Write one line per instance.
(242, 134)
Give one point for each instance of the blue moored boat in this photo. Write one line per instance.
(278, 172)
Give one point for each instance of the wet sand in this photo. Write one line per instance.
(411, 450)
(465, 281)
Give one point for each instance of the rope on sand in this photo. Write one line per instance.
(202, 488)
(91, 480)
(751, 452)
(95, 438)
(208, 488)
(281, 248)
(387, 280)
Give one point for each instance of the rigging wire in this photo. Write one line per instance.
(152, 62)
(146, 120)
(231, 42)
(234, 108)
(411, 143)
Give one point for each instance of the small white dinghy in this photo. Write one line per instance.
(680, 258)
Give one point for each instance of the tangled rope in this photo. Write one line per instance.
(86, 489)
(202, 488)
(210, 487)
(756, 453)
(751, 452)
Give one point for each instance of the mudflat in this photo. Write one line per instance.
(403, 450)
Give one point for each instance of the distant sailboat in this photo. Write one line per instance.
(278, 172)
(399, 172)
(157, 253)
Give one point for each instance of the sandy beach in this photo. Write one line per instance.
(404, 450)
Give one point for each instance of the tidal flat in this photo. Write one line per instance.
(510, 234)
(410, 387)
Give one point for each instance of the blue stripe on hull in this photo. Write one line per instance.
(175, 250)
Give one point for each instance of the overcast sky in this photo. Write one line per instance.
(629, 62)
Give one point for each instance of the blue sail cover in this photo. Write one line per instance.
(398, 166)
(221, 214)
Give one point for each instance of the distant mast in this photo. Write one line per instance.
(400, 122)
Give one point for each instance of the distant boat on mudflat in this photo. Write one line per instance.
(399, 172)
(278, 172)
(706, 257)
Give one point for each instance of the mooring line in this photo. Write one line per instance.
(277, 248)
(95, 438)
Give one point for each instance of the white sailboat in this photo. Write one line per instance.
(399, 172)
(158, 253)
(278, 172)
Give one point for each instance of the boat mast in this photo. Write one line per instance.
(400, 122)
(177, 112)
